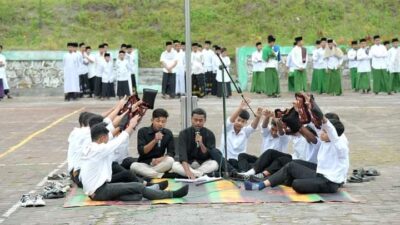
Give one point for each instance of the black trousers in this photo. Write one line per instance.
(198, 85)
(97, 86)
(127, 162)
(168, 84)
(91, 85)
(132, 191)
(133, 79)
(228, 89)
(246, 161)
(303, 179)
(208, 81)
(122, 175)
(84, 84)
(271, 161)
(107, 90)
(214, 85)
(216, 155)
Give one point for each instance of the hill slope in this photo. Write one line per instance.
(49, 24)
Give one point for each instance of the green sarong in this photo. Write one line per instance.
(364, 81)
(317, 80)
(353, 77)
(395, 82)
(380, 81)
(325, 82)
(291, 82)
(300, 80)
(271, 82)
(388, 80)
(257, 83)
(335, 82)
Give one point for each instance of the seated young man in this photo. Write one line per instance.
(195, 143)
(155, 146)
(273, 137)
(305, 147)
(332, 165)
(96, 170)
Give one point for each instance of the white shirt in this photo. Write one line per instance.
(216, 63)
(236, 143)
(131, 62)
(96, 165)
(333, 156)
(180, 66)
(334, 62)
(289, 62)
(394, 60)
(122, 70)
(304, 150)
(352, 56)
(297, 58)
(208, 59)
(272, 62)
(378, 54)
(99, 61)
(169, 58)
(197, 63)
(227, 62)
(106, 69)
(73, 154)
(3, 68)
(91, 66)
(257, 61)
(71, 76)
(122, 152)
(83, 63)
(279, 143)
(318, 59)
(364, 61)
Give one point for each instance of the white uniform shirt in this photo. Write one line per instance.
(318, 59)
(99, 61)
(227, 62)
(71, 77)
(303, 150)
(208, 60)
(352, 56)
(107, 72)
(96, 166)
(3, 68)
(91, 66)
(73, 154)
(197, 63)
(279, 143)
(334, 62)
(363, 61)
(378, 54)
(169, 58)
(297, 58)
(257, 61)
(289, 62)
(333, 156)
(83, 63)
(394, 60)
(180, 66)
(236, 143)
(122, 70)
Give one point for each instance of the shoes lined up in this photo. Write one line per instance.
(32, 201)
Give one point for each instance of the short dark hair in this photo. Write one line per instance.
(86, 117)
(199, 111)
(160, 113)
(97, 131)
(81, 117)
(95, 120)
(244, 114)
(1, 46)
(81, 44)
(338, 126)
(331, 116)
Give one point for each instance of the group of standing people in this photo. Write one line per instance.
(96, 75)
(206, 70)
(380, 60)
(4, 88)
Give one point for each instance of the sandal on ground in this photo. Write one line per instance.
(372, 172)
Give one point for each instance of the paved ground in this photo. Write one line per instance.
(33, 143)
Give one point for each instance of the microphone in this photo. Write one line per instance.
(159, 141)
(197, 132)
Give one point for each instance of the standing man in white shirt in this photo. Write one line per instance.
(130, 56)
(352, 57)
(334, 58)
(99, 61)
(363, 67)
(91, 70)
(380, 81)
(169, 61)
(299, 59)
(107, 77)
(258, 70)
(316, 75)
(123, 75)
(324, 76)
(394, 65)
(71, 79)
(83, 70)
(4, 88)
(198, 79)
(208, 55)
(180, 69)
(291, 67)
(270, 56)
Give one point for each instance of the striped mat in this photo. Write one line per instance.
(222, 191)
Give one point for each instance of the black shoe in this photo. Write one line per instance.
(256, 179)
(237, 176)
(162, 185)
(181, 192)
